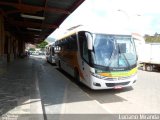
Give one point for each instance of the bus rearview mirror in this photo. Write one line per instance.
(89, 41)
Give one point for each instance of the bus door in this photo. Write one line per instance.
(84, 61)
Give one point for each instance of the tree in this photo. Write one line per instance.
(31, 49)
(156, 34)
(42, 44)
(153, 39)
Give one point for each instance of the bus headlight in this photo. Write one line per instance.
(96, 75)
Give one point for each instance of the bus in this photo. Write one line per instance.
(99, 60)
(50, 53)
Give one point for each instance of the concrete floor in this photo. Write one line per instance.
(18, 89)
(31, 88)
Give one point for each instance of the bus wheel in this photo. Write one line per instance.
(76, 76)
(59, 64)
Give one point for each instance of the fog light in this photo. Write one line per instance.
(96, 84)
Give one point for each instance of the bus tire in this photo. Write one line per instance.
(76, 76)
(59, 65)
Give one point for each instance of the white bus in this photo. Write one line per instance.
(100, 61)
(50, 53)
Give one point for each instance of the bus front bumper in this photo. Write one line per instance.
(97, 83)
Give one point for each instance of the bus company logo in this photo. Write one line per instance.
(119, 69)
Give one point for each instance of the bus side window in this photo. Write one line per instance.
(74, 42)
(53, 51)
(71, 44)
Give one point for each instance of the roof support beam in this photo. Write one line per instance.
(32, 24)
(28, 24)
(19, 1)
(12, 11)
(31, 8)
(45, 5)
(8, 20)
(75, 5)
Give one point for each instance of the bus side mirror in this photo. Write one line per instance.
(89, 40)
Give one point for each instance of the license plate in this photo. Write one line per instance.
(118, 87)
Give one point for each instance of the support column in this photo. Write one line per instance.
(21, 48)
(12, 40)
(3, 58)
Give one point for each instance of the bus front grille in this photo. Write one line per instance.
(116, 84)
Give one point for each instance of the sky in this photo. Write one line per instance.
(140, 16)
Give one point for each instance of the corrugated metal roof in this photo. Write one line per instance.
(34, 20)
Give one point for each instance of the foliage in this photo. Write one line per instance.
(42, 44)
(153, 39)
(32, 49)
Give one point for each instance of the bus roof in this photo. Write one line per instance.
(50, 44)
(93, 29)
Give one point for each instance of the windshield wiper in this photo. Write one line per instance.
(112, 54)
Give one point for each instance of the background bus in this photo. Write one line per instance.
(50, 53)
(100, 61)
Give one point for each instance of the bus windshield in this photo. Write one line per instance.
(114, 51)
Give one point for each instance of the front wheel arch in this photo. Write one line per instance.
(59, 64)
(76, 75)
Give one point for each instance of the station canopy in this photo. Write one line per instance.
(34, 20)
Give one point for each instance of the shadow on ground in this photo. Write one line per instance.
(17, 86)
(102, 96)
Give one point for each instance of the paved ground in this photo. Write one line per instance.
(61, 96)
(36, 88)
(141, 98)
(144, 97)
(19, 89)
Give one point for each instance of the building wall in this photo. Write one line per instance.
(10, 46)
